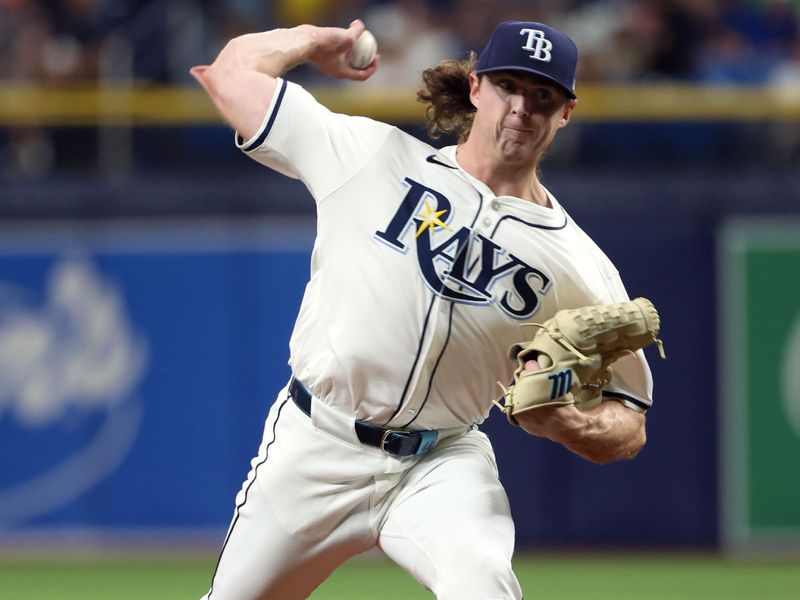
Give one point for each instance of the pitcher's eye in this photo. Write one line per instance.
(507, 85)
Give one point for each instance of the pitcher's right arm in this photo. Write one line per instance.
(242, 79)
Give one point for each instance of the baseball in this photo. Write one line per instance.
(363, 51)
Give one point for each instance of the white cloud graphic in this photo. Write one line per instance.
(78, 349)
(74, 348)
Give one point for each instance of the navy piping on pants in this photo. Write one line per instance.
(246, 491)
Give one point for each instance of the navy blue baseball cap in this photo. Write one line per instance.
(533, 47)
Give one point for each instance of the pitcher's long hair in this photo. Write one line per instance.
(445, 91)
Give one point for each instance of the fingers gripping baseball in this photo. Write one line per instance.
(569, 359)
(333, 45)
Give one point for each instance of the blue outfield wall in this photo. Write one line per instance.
(667, 495)
(148, 357)
(138, 360)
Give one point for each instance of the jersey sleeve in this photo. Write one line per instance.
(632, 383)
(302, 139)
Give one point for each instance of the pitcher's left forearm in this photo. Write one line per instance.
(602, 434)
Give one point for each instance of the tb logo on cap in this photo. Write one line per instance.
(538, 44)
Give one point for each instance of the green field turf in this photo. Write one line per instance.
(561, 577)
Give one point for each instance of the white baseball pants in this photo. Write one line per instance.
(315, 496)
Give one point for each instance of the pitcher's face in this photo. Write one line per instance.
(517, 114)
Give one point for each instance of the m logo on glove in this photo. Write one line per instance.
(573, 353)
(562, 382)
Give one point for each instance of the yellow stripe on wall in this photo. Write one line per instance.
(22, 105)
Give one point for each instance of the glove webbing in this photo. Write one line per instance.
(564, 341)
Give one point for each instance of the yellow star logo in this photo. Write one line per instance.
(430, 219)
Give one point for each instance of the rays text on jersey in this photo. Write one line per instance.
(444, 257)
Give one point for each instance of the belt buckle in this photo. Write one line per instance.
(427, 440)
(385, 437)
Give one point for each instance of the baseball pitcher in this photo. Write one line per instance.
(435, 275)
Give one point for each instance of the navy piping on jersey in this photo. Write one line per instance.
(246, 491)
(263, 135)
(436, 366)
(414, 364)
(449, 328)
(435, 161)
(472, 225)
(627, 398)
(497, 225)
(422, 334)
(529, 224)
(477, 214)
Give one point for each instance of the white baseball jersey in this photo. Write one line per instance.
(420, 275)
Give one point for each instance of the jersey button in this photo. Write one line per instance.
(487, 221)
(495, 205)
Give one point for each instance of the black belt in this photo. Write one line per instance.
(392, 441)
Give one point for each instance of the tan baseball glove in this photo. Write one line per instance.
(574, 351)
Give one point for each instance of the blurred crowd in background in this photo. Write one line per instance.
(730, 41)
(58, 43)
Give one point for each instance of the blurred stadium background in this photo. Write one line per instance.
(150, 274)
